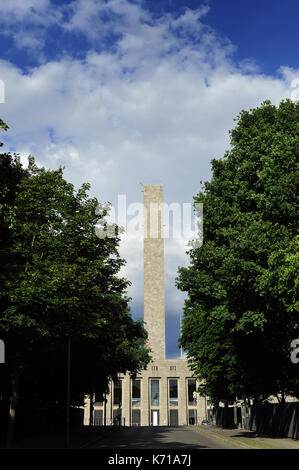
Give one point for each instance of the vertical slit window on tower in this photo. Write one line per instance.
(136, 393)
(173, 392)
(155, 392)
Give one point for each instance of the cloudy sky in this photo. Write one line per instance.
(124, 93)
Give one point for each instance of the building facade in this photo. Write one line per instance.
(165, 393)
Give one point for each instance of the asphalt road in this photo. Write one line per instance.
(159, 438)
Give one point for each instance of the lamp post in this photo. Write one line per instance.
(68, 386)
(105, 403)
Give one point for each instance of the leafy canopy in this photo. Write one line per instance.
(241, 312)
(58, 278)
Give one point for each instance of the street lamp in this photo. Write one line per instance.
(206, 406)
(105, 403)
(68, 386)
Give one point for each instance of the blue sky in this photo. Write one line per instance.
(124, 92)
(264, 31)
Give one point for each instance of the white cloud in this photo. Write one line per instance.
(96, 18)
(26, 21)
(155, 109)
(20, 10)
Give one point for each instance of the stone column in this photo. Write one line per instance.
(163, 401)
(86, 411)
(144, 402)
(126, 398)
(182, 401)
(109, 405)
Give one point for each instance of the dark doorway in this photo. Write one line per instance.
(98, 418)
(192, 416)
(173, 418)
(117, 416)
(136, 418)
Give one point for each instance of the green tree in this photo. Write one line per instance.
(59, 279)
(241, 314)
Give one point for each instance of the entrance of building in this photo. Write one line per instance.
(192, 418)
(155, 417)
(135, 417)
(173, 418)
(98, 417)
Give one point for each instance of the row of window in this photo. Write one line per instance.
(136, 417)
(154, 392)
(156, 368)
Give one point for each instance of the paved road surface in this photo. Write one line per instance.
(159, 437)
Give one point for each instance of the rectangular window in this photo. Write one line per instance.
(117, 392)
(99, 399)
(173, 418)
(117, 417)
(155, 392)
(98, 417)
(136, 393)
(173, 392)
(191, 391)
(135, 417)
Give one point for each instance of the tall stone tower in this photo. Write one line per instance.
(163, 393)
(154, 303)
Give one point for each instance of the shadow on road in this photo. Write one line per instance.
(148, 437)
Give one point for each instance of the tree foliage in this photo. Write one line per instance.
(58, 278)
(241, 312)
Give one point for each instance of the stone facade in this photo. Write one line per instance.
(148, 409)
(163, 394)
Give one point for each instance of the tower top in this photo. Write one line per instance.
(154, 186)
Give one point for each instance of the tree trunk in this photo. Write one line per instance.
(91, 423)
(12, 408)
(256, 401)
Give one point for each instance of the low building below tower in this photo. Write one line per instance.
(163, 395)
